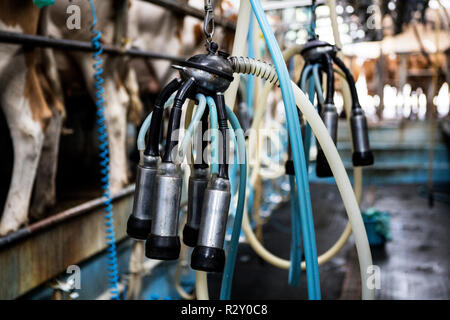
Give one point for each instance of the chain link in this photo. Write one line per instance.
(208, 24)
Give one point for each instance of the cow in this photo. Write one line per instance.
(33, 108)
(33, 102)
(153, 28)
(120, 85)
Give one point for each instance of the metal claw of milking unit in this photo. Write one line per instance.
(159, 182)
(324, 54)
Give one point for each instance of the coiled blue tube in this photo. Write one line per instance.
(113, 273)
(312, 267)
(227, 277)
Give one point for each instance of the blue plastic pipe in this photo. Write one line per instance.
(250, 78)
(227, 278)
(312, 268)
(295, 269)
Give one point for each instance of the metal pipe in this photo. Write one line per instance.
(65, 44)
(60, 217)
(279, 5)
(183, 8)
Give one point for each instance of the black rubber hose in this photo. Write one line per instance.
(175, 119)
(350, 80)
(330, 79)
(223, 128)
(152, 147)
(307, 63)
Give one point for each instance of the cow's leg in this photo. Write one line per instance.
(131, 85)
(116, 104)
(44, 195)
(26, 113)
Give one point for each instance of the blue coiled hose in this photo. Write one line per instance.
(113, 273)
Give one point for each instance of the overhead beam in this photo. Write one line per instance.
(286, 4)
(65, 44)
(183, 8)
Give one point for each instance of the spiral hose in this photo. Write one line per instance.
(255, 67)
(113, 273)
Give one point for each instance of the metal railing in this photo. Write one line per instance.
(183, 8)
(66, 44)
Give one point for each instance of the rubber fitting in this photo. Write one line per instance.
(289, 168)
(162, 248)
(208, 259)
(138, 228)
(190, 236)
(323, 169)
(362, 159)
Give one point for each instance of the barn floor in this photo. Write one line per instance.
(414, 265)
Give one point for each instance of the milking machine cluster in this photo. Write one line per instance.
(205, 78)
(319, 57)
(159, 179)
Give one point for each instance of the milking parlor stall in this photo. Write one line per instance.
(224, 150)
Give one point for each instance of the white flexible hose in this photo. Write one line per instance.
(183, 259)
(357, 171)
(201, 285)
(345, 189)
(344, 186)
(239, 48)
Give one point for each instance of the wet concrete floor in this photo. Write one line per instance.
(414, 265)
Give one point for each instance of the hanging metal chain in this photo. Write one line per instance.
(312, 27)
(208, 24)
